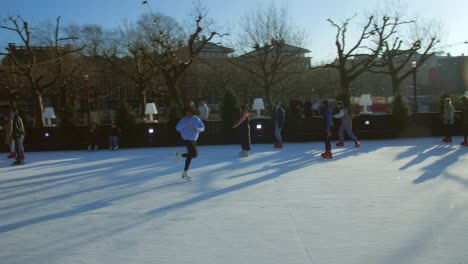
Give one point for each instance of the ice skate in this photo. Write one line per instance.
(445, 140)
(327, 155)
(116, 148)
(17, 163)
(357, 144)
(464, 144)
(244, 153)
(186, 176)
(96, 148)
(12, 155)
(340, 144)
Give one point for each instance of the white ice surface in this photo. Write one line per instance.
(392, 201)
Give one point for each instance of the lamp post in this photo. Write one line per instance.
(414, 64)
(88, 110)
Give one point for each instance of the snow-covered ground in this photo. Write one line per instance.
(392, 201)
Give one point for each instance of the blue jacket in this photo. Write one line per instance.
(327, 115)
(190, 128)
(278, 117)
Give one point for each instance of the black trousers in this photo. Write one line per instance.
(327, 142)
(191, 153)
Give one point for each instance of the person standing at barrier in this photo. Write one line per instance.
(448, 120)
(189, 127)
(464, 106)
(278, 117)
(9, 135)
(244, 125)
(18, 134)
(327, 119)
(346, 125)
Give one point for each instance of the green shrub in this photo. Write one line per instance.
(68, 123)
(230, 112)
(400, 114)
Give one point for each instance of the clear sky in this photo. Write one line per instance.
(309, 14)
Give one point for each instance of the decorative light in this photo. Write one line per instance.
(46, 134)
(49, 114)
(367, 122)
(414, 64)
(365, 101)
(259, 126)
(258, 106)
(151, 110)
(151, 131)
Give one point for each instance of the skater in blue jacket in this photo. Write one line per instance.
(189, 127)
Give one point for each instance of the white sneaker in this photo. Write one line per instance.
(178, 157)
(185, 176)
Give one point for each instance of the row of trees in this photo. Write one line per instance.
(153, 53)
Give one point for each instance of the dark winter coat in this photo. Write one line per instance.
(115, 132)
(278, 117)
(465, 119)
(18, 127)
(244, 130)
(327, 119)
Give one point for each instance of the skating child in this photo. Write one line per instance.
(464, 101)
(114, 137)
(346, 125)
(189, 127)
(244, 125)
(327, 118)
(92, 139)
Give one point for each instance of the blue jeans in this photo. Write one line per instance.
(12, 147)
(19, 148)
(349, 130)
(113, 141)
(278, 133)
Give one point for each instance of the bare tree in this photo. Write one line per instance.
(277, 56)
(42, 67)
(174, 51)
(357, 57)
(399, 53)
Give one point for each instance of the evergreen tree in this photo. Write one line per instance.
(68, 126)
(400, 114)
(230, 112)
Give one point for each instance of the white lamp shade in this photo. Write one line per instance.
(49, 113)
(258, 104)
(151, 109)
(365, 100)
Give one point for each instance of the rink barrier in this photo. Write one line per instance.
(262, 131)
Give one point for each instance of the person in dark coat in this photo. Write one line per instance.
(327, 119)
(114, 137)
(244, 129)
(9, 135)
(18, 133)
(464, 109)
(278, 119)
(92, 139)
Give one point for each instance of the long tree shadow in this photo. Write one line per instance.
(437, 168)
(422, 153)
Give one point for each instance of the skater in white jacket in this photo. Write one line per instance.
(346, 124)
(189, 127)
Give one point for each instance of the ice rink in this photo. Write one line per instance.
(392, 201)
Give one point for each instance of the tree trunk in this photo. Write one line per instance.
(142, 102)
(174, 94)
(395, 84)
(269, 96)
(39, 108)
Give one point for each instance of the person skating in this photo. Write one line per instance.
(114, 137)
(92, 139)
(346, 125)
(18, 134)
(189, 127)
(464, 109)
(9, 135)
(278, 119)
(204, 111)
(244, 129)
(448, 120)
(327, 119)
